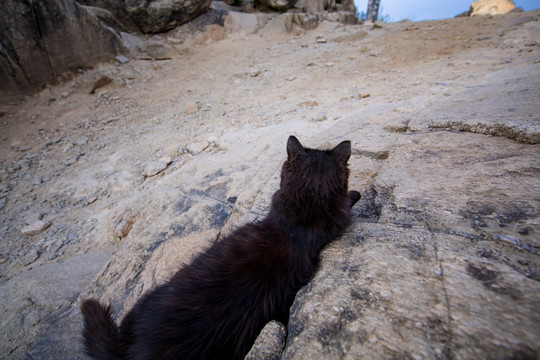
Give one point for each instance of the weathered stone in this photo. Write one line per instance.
(307, 21)
(385, 291)
(162, 15)
(344, 17)
(105, 16)
(310, 6)
(152, 168)
(508, 111)
(131, 42)
(123, 223)
(197, 147)
(165, 159)
(46, 288)
(101, 82)
(157, 48)
(491, 7)
(348, 6)
(29, 257)
(211, 33)
(275, 4)
(122, 59)
(120, 18)
(191, 108)
(269, 344)
(42, 40)
(35, 227)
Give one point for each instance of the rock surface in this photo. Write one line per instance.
(162, 15)
(42, 40)
(441, 259)
(491, 7)
(270, 343)
(35, 227)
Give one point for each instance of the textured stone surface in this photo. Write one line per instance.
(43, 39)
(448, 213)
(491, 7)
(270, 343)
(501, 104)
(46, 289)
(441, 260)
(163, 15)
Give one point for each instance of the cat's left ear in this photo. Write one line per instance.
(342, 152)
(294, 147)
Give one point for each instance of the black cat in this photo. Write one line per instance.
(215, 307)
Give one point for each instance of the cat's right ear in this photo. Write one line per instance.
(294, 148)
(342, 152)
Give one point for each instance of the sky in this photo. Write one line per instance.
(417, 10)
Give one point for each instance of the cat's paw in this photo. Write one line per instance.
(354, 196)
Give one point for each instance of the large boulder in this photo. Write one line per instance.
(491, 7)
(162, 15)
(116, 9)
(40, 40)
(274, 4)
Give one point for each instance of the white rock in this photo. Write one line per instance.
(213, 140)
(198, 147)
(35, 228)
(165, 159)
(152, 168)
(122, 59)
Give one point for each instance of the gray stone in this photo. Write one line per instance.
(35, 227)
(131, 42)
(197, 147)
(385, 291)
(157, 48)
(48, 288)
(310, 6)
(308, 21)
(122, 59)
(28, 258)
(269, 344)
(152, 168)
(44, 39)
(162, 15)
(275, 4)
(502, 104)
(117, 16)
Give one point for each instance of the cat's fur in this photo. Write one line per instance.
(215, 307)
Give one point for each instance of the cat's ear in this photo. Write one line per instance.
(294, 148)
(342, 152)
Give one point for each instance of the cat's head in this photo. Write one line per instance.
(314, 179)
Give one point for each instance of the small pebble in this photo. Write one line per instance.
(29, 258)
(122, 59)
(191, 109)
(35, 228)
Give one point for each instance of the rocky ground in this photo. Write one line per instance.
(107, 187)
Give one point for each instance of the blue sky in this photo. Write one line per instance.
(417, 10)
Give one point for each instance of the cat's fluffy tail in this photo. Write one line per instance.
(101, 336)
